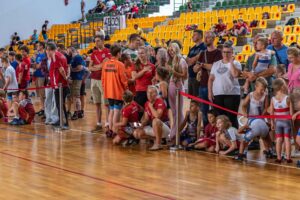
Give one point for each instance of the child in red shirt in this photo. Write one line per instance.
(23, 110)
(208, 141)
(130, 118)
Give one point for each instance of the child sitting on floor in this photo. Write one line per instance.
(192, 124)
(3, 106)
(130, 118)
(208, 142)
(23, 110)
(227, 137)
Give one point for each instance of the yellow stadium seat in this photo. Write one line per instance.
(276, 16)
(287, 30)
(221, 13)
(263, 24)
(278, 28)
(296, 29)
(234, 40)
(291, 38)
(291, 8)
(246, 49)
(243, 10)
(240, 58)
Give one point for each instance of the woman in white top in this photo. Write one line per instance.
(178, 70)
(223, 85)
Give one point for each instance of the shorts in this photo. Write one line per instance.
(82, 89)
(24, 115)
(75, 88)
(24, 85)
(40, 82)
(165, 130)
(298, 134)
(115, 104)
(125, 132)
(97, 91)
(258, 127)
(210, 142)
(283, 128)
(188, 138)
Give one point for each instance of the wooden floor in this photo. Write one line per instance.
(38, 163)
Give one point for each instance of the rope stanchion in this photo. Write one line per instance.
(60, 106)
(237, 113)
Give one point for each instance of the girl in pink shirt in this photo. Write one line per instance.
(293, 74)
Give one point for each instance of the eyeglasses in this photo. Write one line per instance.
(227, 52)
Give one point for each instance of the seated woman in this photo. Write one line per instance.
(154, 121)
(227, 137)
(23, 110)
(130, 117)
(192, 125)
(208, 141)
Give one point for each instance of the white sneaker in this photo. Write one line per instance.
(295, 153)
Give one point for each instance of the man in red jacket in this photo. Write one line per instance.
(58, 75)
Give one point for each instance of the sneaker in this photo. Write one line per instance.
(98, 128)
(21, 122)
(296, 153)
(15, 121)
(278, 161)
(289, 160)
(40, 113)
(80, 114)
(75, 116)
(239, 157)
(65, 127)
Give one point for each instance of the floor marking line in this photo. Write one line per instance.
(22, 132)
(89, 176)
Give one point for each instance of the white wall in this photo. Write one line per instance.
(23, 16)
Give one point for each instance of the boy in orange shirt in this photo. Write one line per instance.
(114, 82)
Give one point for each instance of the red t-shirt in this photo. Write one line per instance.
(158, 104)
(55, 76)
(131, 112)
(220, 27)
(27, 111)
(142, 83)
(135, 9)
(210, 131)
(27, 63)
(128, 71)
(97, 57)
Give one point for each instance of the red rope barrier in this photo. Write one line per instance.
(237, 113)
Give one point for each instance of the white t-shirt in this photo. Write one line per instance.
(11, 73)
(100, 33)
(110, 4)
(233, 135)
(225, 83)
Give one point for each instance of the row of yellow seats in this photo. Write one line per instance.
(160, 18)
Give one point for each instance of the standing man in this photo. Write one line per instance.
(12, 59)
(58, 75)
(99, 56)
(204, 64)
(44, 30)
(114, 82)
(40, 75)
(77, 72)
(23, 71)
(134, 43)
(192, 58)
(279, 48)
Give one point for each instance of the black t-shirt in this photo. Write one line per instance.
(44, 29)
(195, 50)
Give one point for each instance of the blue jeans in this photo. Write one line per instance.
(45, 36)
(203, 94)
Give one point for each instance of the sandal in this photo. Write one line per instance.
(155, 148)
